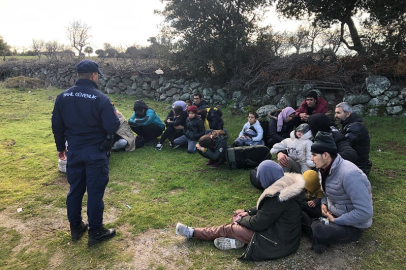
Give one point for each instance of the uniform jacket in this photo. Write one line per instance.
(126, 133)
(258, 129)
(194, 128)
(357, 134)
(273, 127)
(276, 220)
(321, 107)
(297, 149)
(83, 116)
(348, 194)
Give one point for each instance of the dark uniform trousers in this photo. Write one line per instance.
(87, 168)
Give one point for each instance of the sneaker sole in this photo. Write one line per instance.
(224, 243)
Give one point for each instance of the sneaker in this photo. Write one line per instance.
(176, 146)
(318, 247)
(209, 162)
(224, 243)
(215, 164)
(159, 146)
(77, 233)
(100, 235)
(170, 144)
(184, 230)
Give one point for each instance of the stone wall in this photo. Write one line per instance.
(381, 97)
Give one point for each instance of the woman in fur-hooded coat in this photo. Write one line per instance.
(276, 220)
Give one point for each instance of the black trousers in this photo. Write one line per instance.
(148, 132)
(171, 133)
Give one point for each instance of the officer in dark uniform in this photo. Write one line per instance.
(84, 117)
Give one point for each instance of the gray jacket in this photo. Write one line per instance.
(348, 194)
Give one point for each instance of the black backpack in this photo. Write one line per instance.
(214, 118)
(247, 156)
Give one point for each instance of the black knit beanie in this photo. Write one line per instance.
(312, 94)
(324, 142)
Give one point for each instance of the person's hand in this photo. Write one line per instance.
(200, 148)
(303, 116)
(237, 215)
(283, 159)
(311, 204)
(238, 211)
(324, 210)
(61, 155)
(329, 216)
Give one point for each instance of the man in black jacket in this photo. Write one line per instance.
(356, 134)
(84, 117)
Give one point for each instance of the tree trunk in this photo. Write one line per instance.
(358, 47)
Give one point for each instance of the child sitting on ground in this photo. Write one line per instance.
(213, 146)
(251, 133)
(176, 118)
(193, 130)
(313, 195)
(297, 148)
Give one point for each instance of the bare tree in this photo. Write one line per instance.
(51, 49)
(78, 34)
(38, 46)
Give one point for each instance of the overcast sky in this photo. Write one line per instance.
(120, 22)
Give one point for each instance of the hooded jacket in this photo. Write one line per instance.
(125, 132)
(357, 134)
(321, 122)
(276, 220)
(321, 107)
(297, 149)
(217, 151)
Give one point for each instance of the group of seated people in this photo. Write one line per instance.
(317, 184)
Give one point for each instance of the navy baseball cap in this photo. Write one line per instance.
(87, 66)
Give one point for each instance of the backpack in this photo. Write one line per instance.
(246, 156)
(214, 118)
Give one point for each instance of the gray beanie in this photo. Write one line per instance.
(324, 142)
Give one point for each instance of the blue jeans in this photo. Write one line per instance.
(87, 169)
(182, 140)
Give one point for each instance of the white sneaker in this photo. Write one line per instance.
(159, 146)
(184, 230)
(224, 243)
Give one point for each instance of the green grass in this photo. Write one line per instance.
(160, 188)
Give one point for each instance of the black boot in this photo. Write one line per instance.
(101, 234)
(77, 232)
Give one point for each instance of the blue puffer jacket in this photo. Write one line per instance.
(348, 194)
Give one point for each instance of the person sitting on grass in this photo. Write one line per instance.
(175, 120)
(313, 195)
(192, 131)
(213, 146)
(297, 149)
(124, 137)
(347, 199)
(280, 125)
(146, 123)
(271, 229)
(251, 133)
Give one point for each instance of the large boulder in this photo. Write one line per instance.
(376, 85)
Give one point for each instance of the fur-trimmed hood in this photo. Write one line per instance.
(289, 186)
